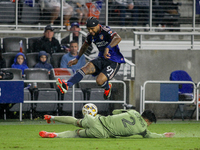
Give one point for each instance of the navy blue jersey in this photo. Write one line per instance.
(102, 40)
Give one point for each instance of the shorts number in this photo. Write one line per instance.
(125, 122)
(109, 71)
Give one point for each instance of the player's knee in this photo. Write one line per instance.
(79, 123)
(99, 82)
(78, 132)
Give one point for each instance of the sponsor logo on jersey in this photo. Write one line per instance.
(102, 43)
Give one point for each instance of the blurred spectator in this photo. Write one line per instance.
(2, 60)
(169, 6)
(53, 6)
(157, 13)
(141, 12)
(20, 62)
(81, 9)
(43, 57)
(47, 43)
(124, 6)
(171, 14)
(75, 29)
(71, 55)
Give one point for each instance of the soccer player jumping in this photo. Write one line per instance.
(121, 123)
(105, 66)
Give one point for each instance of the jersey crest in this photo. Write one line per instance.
(101, 36)
(110, 32)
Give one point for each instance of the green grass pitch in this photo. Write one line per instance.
(24, 136)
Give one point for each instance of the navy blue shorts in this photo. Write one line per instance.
(106, 66)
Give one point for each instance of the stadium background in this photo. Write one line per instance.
(187, 20)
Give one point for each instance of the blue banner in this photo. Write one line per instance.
(11, 91)
(197, 6)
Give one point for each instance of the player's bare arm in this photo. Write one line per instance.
(81, 52)
(115, 41)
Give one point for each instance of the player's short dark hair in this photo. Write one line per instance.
(148, 114)
(92, 22)
(73, 41)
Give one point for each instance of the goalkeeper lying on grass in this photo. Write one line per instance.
(122, 123)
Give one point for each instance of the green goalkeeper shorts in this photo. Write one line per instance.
(93, 127)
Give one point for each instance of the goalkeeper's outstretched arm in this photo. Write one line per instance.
(155, 135)
(118, 111)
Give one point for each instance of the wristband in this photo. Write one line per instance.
(78, 57)
(109, 47)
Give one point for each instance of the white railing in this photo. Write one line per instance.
(126, 70)
(140, 34)
(73, 96)
(144, 101)
(197, 102)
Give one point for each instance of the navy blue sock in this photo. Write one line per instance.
(105, 85)
(76, 78)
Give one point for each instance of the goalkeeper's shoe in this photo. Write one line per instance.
(62, 85)
(107, 93)
(45, 134)
(47, 118)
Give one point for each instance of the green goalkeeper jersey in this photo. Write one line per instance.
(127, 123)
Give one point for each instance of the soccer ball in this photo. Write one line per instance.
(90, 109)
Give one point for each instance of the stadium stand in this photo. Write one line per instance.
(26, 108)
(7, 12)
(185, 93)
(11, 44)
(184, 19)
(30, 15)
(17, 73)
(55, 59)
(32, 59)
(9, 58)
(67, 107)
(41, 91)
(97, 94)
(31, 41)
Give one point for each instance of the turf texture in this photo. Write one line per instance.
(24, 136)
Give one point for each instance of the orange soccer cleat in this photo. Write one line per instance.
(45, 134)
(107, 93)
(47, 118)
(62, 85)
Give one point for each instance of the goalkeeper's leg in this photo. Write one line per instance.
(63, 119)
(66, 134)
(80, 133)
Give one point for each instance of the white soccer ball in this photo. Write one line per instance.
(90, 109)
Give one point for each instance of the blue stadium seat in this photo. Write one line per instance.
(185, 93)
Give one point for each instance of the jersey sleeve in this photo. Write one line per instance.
(148, 134)
(88, 39)
(110, 33)
(118, 111)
